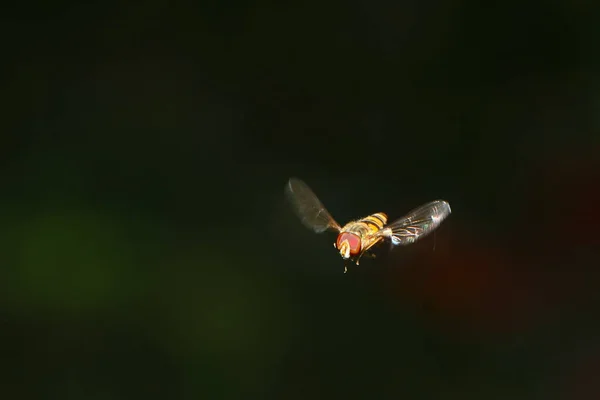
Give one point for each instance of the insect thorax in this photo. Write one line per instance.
(360, 228)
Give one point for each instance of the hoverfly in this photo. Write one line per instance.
(356, 237)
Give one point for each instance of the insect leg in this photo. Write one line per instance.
(364, 253)
(359, 256)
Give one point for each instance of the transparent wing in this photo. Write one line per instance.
(308, 207)
(418, 223)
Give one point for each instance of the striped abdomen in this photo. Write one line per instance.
(375, 222)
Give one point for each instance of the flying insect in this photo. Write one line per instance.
(357, 237)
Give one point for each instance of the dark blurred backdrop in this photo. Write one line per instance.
(147, 250)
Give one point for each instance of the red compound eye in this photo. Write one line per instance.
(353, 242)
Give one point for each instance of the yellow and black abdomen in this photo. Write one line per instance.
(375, 222)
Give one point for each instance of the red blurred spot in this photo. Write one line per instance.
(471, 284)
(514, 283)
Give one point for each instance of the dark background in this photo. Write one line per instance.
(147, 250)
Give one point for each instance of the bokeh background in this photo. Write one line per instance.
(147, 250)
